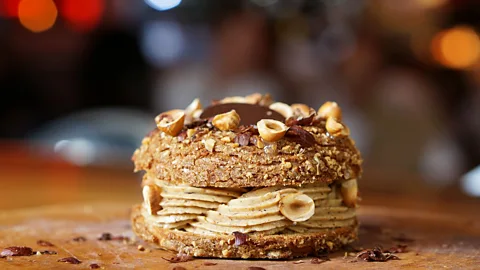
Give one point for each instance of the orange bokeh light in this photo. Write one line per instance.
(457, 47)
(37, 15)
(82, 15)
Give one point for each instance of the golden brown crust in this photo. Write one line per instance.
(257, 246)
(228, 164)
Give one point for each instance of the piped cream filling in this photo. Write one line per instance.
(213, 211)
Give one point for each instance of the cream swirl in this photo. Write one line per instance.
(266, 210)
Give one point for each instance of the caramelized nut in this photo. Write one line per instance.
(271, 130)
(254, 98)
(335, 128)
(297, 207)
(171, 122)
(349, 192)
(196, 114)
(301, 110)
(151, 198)
(330, 109)
(235, 99)
(284, 109)
(226, 121)
(192, 108)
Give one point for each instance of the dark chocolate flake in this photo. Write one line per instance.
(243, 139)
(300, 136)
(71, 260)
(302, 121)
(240, 238)
(16, 251)
(48, 252)
(179, 258)
(376, 255)
(319, 260)
(79, 239)
(105, 237)
(94, 266)
(44, 243)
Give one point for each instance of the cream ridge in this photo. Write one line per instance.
(271, 210)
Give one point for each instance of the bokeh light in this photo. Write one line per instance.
(162, 5)
(458, 47)
(9, 8)
(37, 15)
(82, 15)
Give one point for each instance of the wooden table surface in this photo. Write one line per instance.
(46, 199)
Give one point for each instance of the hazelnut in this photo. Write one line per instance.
(284, 109)
(253, 98)
(349, 192)
(226, 121)
(330, 109)
(196, 114)
(271, 130)
(151, 198)
(171, 122)
(335, 128)
(192, 108)
(301, 110)
(235, 99)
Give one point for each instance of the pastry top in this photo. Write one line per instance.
(233, 143)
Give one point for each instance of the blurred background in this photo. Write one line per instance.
(82, 80)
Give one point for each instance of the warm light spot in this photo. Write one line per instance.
(458, 47)
(9, 8)
(37, 15)
(82, 15)
(430, 3)
(162, 5)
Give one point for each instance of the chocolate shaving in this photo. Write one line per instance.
(209, 263)
(71, 260)
(94, 266)
(243, 139)
(240, 238)
(319, 260)
(300, 136)
(179, 268)
(303, 121)
(79, 239)
(48, 252)
(197, 123)
(179, 258)
(376, 255)
(182, 136)
(397, 249)
(110, 237)
(16, 251)
(44, 243)
(255, 268)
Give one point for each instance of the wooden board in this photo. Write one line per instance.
(435, 241)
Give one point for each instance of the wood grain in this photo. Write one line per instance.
(434, 240)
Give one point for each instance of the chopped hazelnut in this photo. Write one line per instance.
(171, 122)
(226, 121)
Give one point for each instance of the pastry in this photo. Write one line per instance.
(247, 177)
